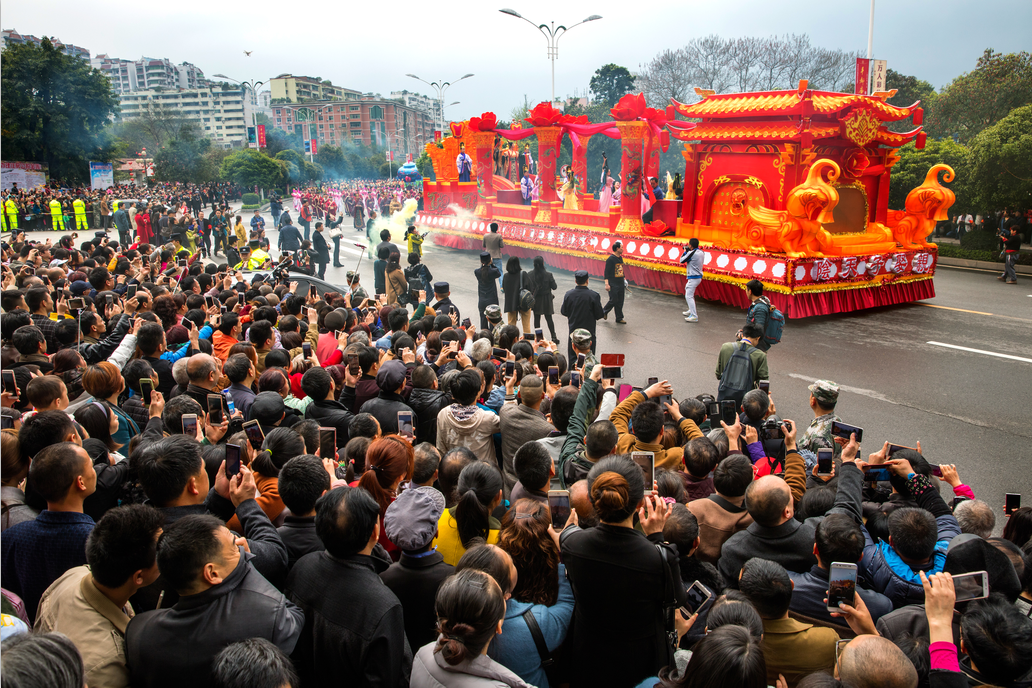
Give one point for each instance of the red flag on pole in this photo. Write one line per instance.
(863, 71)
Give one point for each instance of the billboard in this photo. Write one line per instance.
(102, 175)
(261, 136)
(27, 175)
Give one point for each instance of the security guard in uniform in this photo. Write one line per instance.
(56, 216)
(582, 308)
(11, 211)
(80, 214)
(582, 342)
(442, 291)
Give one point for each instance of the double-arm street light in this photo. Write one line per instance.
(441, 87)
(552, 34)
(253, 86)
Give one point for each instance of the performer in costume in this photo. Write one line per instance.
(527, 188)
(526, 162)
(605, 197)
(464, 164)
(514, 167)
(569, 190)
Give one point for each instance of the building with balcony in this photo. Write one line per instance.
(221, 114)
(287, 88)
(12, 37)
(371, 121)
(148, 73)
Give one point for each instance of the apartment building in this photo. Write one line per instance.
(287, 88)
(222, 115)
(371, 121)
(12, 37)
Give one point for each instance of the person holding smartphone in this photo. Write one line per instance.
(823, 400)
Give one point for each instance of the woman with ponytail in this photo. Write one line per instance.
(479, 492)
(470, 609)
(389, 461)
(623, 578)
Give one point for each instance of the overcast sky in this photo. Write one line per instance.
(370, 46)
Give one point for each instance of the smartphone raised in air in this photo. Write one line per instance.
(190, 425)
(647, 463)
(612, 372)
(893, 448)
(539, 335)
(580, 360)
(10, 384)
(553, 375)
(232, 460)
(306, 350)
(713, 412)
(612, 359)
(466, 323)
(971, 586)
(499, 353)
(575, 379)
(698, 595)
(254, 434)
(76, 304)
(229, 404)
(131, 291)
(764, 386)
(841, 585)
(825, 461)
(146, 387)
(510, 368)
(652, 381)
(215, 415)
(844, 430)
(559, 508)
(405, 425)
(876, 473)
(327, 443)
(728, 411)
(1012, 502)
(354, 368)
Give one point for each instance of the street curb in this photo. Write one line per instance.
(981, 265)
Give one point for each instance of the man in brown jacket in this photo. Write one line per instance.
(647, 418)
(522, 423)
(721, 515)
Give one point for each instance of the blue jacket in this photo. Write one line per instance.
(515, 648)
(887, 572)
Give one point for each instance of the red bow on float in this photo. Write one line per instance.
(629, 108)
(570, 119)
(486, 122)
(544, 115)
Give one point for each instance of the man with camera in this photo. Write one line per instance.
(1011, 250)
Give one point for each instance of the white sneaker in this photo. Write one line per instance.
(692, 318)
(686, 312)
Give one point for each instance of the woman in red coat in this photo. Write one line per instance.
(143, 225)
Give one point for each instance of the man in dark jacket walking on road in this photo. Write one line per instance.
(289, 237)
(354, 632)
(582, 308)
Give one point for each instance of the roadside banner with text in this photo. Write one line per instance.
(261, 136)
(863, 75)
(879, 73)
(102, 175)
(27, 175)
(315, 147)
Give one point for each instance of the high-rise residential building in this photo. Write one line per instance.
(371, 121)
(287, 88)
(419, 101)
(222, 115)
(12, 37)
(148, 73)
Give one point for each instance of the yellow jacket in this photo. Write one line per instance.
(448, 542)
(670, 459)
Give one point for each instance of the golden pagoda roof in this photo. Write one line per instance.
(768, 103)
(753, 131)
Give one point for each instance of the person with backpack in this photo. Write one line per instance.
(741, 365)
(764, 315)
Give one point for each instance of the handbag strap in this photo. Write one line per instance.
(539, 639)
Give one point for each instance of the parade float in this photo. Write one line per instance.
(787, 187)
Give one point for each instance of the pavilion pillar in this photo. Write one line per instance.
(632, 139)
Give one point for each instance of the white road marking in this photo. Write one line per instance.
(979, 351)
(855, 390)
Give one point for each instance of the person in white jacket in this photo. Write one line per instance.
(693, 259)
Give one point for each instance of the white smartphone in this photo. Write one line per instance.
(971, 586)
(698, 595)
(647, 463)
(841, 585)
(405, 425)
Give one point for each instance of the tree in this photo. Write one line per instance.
(333, 161)
(312, 171)
(183, 161)
(295, 170)
(744, 64)
(1001, 158)
(425, 165)
(277, 140)
(913, 166)
(610, 83)
(248, 167)
(979, 99)
(54, 110)
(909, 90)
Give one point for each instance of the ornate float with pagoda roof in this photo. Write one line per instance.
(787, 187)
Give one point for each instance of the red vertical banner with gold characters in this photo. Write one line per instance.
(863, 75)
(548, 156)
(632, 138)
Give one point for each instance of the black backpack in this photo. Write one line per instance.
(737, 378)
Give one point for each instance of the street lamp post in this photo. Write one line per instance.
(253, 86)
(552, 34)
(441, 87)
